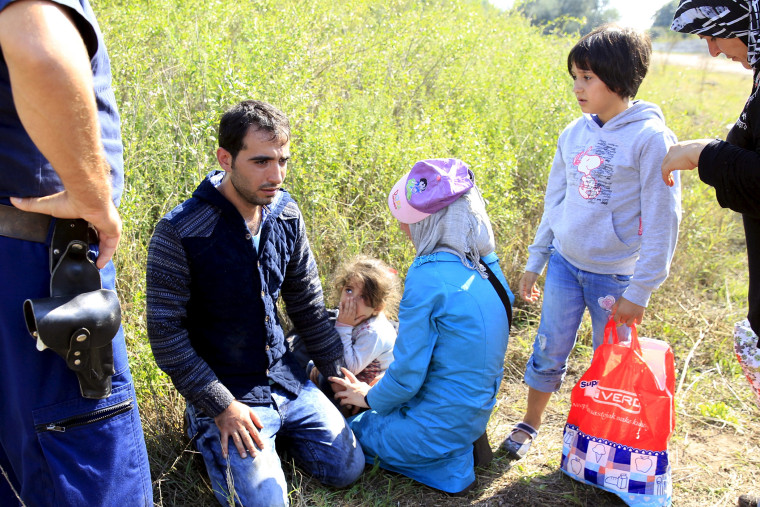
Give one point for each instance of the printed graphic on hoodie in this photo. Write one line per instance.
(587, 163)
(595, 159)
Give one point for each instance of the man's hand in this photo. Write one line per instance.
(242, 424)
(528, 290)
(51, 79)
(314, 375)
(61, 205)
(683, 156)
(625, 312)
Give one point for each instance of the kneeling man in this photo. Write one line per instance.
(217, 265)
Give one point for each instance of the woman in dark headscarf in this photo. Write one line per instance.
(732, 166)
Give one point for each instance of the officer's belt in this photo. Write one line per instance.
(24, 225)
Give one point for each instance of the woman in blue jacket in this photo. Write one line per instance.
(435, 399)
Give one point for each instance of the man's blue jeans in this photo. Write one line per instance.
(568, 291)
(308, 426)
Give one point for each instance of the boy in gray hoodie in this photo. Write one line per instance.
(610, 224)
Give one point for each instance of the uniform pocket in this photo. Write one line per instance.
(95, 450)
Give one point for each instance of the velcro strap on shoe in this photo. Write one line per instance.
(527, 429)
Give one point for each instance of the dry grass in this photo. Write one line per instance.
(713, 459)
(715, 450)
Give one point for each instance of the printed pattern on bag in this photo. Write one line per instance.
(621, 417)
(748, 354)
(637, 476)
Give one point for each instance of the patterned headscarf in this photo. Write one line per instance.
(461, 228)
(724, 19)
(753, 48)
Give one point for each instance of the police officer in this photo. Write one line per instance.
(60, 156)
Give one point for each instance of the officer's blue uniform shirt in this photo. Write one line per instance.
(25, 175)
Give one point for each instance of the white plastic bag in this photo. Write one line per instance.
(748, 354)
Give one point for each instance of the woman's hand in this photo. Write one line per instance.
(683, 156)
(354, 391)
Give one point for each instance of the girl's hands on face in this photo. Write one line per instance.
(347, 311)
(352, 308)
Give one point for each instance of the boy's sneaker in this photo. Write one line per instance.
(749, 501)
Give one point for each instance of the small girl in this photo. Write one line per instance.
(369, 292)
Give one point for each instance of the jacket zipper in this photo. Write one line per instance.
(91, 417)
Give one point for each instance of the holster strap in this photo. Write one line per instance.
(24, 225)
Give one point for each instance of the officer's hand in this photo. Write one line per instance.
(105, 218)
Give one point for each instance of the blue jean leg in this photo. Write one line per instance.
(254, 481)
(319, 437)
(308, 426)
(568, 291)
(601, 292)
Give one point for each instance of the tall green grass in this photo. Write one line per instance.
(370, 88)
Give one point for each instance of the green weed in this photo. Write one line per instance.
(370, 88)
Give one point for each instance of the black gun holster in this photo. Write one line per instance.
(80, 318)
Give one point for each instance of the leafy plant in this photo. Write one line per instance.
(370, 88)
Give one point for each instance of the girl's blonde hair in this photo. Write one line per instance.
(381, 286)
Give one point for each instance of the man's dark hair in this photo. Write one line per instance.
(255, 114)
(619, 56)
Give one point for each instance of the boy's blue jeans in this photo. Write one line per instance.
(568, 291)
(308, 426)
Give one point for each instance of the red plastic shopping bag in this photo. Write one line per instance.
(621, 418)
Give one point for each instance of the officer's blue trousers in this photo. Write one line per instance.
(56, 447)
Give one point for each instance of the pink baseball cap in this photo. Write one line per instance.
(430, 186)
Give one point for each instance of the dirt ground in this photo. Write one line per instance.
(711, 465)
(712, 462)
